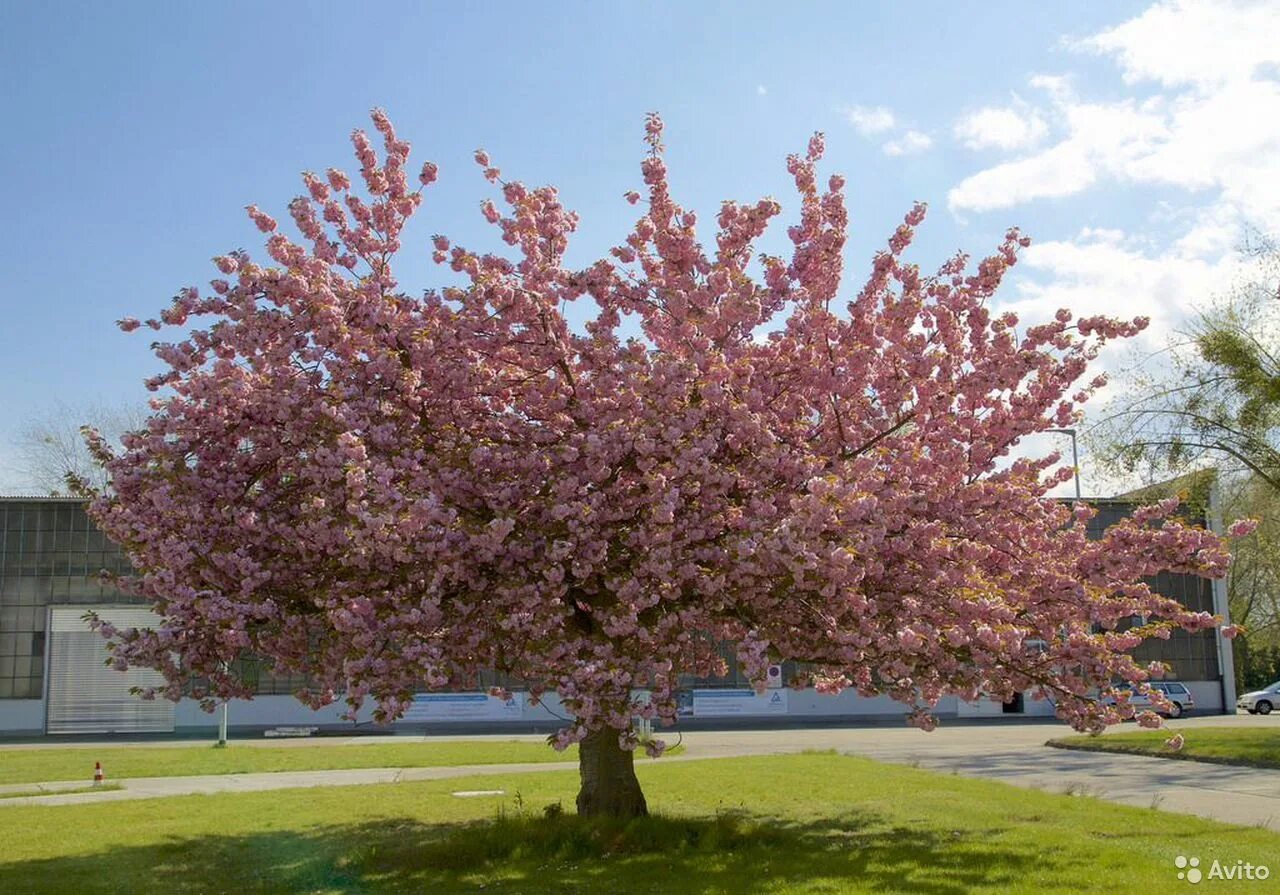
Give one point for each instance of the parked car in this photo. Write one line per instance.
(1260, 702)
(1178, 694)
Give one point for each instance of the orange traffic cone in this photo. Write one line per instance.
(98, 776)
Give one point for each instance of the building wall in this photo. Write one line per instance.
(1208, 696)
(50, 555)
(1192, 656)
(21, 717)
(265, 712)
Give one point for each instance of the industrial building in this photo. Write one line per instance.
(54, 680)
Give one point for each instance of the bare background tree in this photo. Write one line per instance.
(1212, 401)
(50, 446)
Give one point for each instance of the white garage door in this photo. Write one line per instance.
(87, 696)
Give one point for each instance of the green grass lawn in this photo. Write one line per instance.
(119, 762)
(811, 823)
(1252, 746)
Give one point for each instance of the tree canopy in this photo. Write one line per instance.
(388, 492)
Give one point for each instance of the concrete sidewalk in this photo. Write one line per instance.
(161, 787)
(1009, 753)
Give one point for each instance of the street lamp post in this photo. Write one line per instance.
(1075, 454)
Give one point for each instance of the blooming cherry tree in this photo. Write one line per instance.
(389, 492)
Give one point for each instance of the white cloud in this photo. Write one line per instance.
(1061, 171)
(1214, 232)
(869, 120)
(1194, 42)
(1103, 138)
(1001, 128)
(1193, 108)
(1109, 272)
(909, 143)
(1057, 86)
(761, 90)
(1217, 129)
(1106, 271)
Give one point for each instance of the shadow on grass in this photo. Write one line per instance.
(556, 854)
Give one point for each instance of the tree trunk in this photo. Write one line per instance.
(609, 784)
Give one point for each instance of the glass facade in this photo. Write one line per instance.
(50, 554)
(257, 673)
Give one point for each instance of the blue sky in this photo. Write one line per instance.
(138, 132)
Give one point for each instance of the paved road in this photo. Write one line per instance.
(1011, 752)
(1016, 754)
(159, 787)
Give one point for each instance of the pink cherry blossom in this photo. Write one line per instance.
(1242, 527)
(585, 478)
(264, 221)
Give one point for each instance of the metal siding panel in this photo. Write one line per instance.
(87, 696)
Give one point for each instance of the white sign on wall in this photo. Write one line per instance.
(464, 707)
(717, 703)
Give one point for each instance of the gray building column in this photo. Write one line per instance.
(1226, 652)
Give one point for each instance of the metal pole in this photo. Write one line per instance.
(222, 718)
(1075, 460)
(1075, 454)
